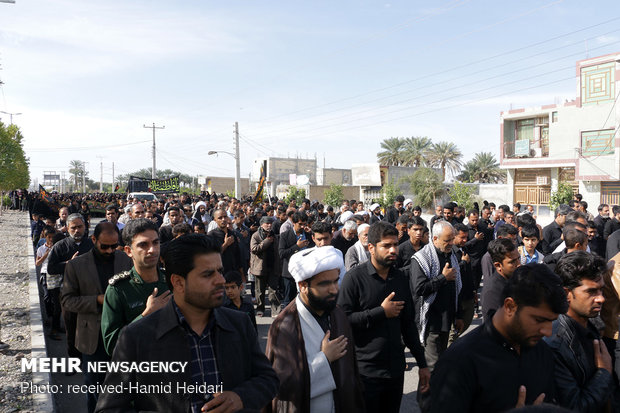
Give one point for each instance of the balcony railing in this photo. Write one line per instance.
(526, 149)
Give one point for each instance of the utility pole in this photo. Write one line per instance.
(113, 186)
(100, 173)
(153, 127)
(237, 163)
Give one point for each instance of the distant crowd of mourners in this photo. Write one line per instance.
(348, 289)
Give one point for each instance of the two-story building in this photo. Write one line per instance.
(575, 142)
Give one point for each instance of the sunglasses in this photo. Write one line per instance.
(108, 246)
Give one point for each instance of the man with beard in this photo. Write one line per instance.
(504, 363)
(217, 347)
(62, 252)
(85, 281)
(226, 237)
(311, 344)
(358, 252)
(583, 366)
(111, 215)
(436, 285)
(165, 231)
(133, 294)
(376, 298)
(601, 219)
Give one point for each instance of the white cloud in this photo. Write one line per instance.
(606, 39)
(82, 38)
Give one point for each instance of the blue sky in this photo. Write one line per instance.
(333, 78)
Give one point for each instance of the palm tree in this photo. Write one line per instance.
(76, 171)
(445, 155)
(468, 173)
(483, 168)
(393, 153)
(416, 149)
(487, 168)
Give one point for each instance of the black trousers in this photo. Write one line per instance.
(383, 394)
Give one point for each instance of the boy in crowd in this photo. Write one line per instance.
(528, 252)
(233, 292)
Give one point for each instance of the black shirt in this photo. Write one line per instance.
(341, 243)
(378, 344)
(231, 256)
(492, 293)
(323, 320)
(246, 307)
(405, 254)
(552, 237)
(105, 268)
(611, 226)
(63, 251)
(481, 372)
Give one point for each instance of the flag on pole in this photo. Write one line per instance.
(258, 195)
(45, 195)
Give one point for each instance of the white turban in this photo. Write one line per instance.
(345, 216)
(374, 206)
(307, 263)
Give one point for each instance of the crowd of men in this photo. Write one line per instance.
(348, 289)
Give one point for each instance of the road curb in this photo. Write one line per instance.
(41, 401)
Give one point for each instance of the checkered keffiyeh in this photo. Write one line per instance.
(429, 262)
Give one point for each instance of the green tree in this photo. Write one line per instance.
(334, 196)
(14, 166)
(445, 155)
(298, 194)
(463, 195)
(389, 192)
(78, 171)
(416, 151)
(562, 196)
(483, 168)
(393, 152)
(426, 185)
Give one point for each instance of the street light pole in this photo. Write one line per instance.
(10, 114)
(237, 168)
(237, 162)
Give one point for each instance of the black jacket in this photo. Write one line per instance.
(579, 384)
(287, 246)
(552, 237)
(242, 365)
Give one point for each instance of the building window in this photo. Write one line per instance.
(554, 116)
(598, 84)
(596, 143)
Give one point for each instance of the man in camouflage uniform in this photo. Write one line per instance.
(139, 292)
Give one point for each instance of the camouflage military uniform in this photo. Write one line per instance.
(124, 301)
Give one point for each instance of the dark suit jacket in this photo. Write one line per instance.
(243, 367)
(80, 289)
(288, 246)
(613, 245)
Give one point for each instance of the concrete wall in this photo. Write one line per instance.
(333, 176)
(221, 185)
(317, 192)
(496, 193)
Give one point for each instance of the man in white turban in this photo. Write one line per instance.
(310, 343)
